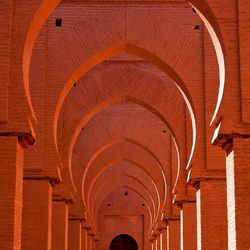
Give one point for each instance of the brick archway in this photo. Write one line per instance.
(47, 7)
(124, 101)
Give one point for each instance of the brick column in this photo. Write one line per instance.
(37, 211)
(155, 244)
(11, 191)
(89, 242)
(84, 239)
(173, 232)
(163, 238)
(211, 215)
(151, 244)
(158, 240)
(74, 241)
(188, 226)
(93, 244)
(59, 225)
(238, 198)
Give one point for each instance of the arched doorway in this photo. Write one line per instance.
(123, 242)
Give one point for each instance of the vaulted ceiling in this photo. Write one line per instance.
(118, 90)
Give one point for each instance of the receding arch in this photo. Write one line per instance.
(153, 207)
(116, 142)
(47, 7)
(145, 55)
(122, 186)
(118, 181)
(123, 242)
(107, 103)
(114, 178)
(111, 165)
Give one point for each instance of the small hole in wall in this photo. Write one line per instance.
(108, 204)
(74, 85)
(126, 193)
(164, 131)
(194, 10)
(58, 22)
(197, 27)
(143, 204)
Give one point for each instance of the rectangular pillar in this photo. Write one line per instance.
(6, 11)
(89, 242)
(158, 241)
(188, 226)
(163, 238)
(37, 211)
(238, 198)
(11, 192)
(59, 225)
(93, 244)
(173, 230)
(84, 239)
(211, 215)
(74, 242)
(155, 244)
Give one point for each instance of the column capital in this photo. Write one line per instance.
(188, 200)
(151, 235)
(161, 225)
(59, 198)
(210, 175)
(74, 218)
(95, 238)
(152, 238)
(91, 232)
(179, 198)
(225, 141)
(156, 232)
(25, 139)
(172, 218)
(86, 225)
(34, 174)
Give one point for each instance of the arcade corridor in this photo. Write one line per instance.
(124, 125)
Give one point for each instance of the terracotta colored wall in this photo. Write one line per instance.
(11, 193)
(106, 95)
